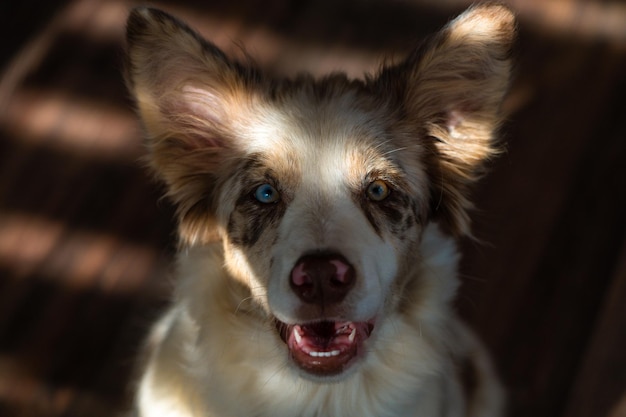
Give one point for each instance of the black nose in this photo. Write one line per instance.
(322, 279)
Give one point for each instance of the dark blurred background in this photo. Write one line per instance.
(85, 240)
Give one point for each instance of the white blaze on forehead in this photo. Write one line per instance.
(323, 139)
(263, 130)
(323, 213)
(326, 172)
(313, 129)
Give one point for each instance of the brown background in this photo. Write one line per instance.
(85, 240)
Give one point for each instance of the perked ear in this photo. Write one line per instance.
(186, 91)
(453, 88)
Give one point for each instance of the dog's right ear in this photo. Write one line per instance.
(186, 91)
(451, 90)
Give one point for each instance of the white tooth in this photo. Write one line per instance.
(324, 354)
(352, 334)
(297, 336)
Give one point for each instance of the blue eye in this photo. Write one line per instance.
(266, 194)
(378, 190)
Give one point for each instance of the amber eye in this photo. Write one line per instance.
(378, 190)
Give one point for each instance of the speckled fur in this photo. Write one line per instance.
(218, 129)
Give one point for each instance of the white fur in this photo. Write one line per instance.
(216, 358)
(339, 226)
(424, 127)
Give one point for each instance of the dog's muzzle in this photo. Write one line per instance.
(323, 347)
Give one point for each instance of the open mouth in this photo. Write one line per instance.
(325, 348)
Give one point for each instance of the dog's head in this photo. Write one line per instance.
(320, 189)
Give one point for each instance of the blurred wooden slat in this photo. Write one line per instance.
(600, 387)
(552, 208)
(85, 239)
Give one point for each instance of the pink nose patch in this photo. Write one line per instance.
(322, 279)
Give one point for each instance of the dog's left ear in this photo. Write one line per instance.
(187, 93)
(451, 91)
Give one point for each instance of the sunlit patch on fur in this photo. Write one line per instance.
(351, 190)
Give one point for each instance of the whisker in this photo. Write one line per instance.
(399, 149)
(242, 302)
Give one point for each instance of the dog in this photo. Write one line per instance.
(317, 226)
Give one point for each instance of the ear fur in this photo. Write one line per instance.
(188, 94)
(186, 91)
(452, 88)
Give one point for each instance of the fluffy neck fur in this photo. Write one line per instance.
(246, 360)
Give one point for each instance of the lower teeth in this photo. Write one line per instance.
(324, 354)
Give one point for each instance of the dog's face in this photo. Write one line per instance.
(320, 190)
(319, 218)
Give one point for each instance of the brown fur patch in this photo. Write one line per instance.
(451, 89)
(250, 218)
(396, 213)
(218, 129)
(441, 104)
